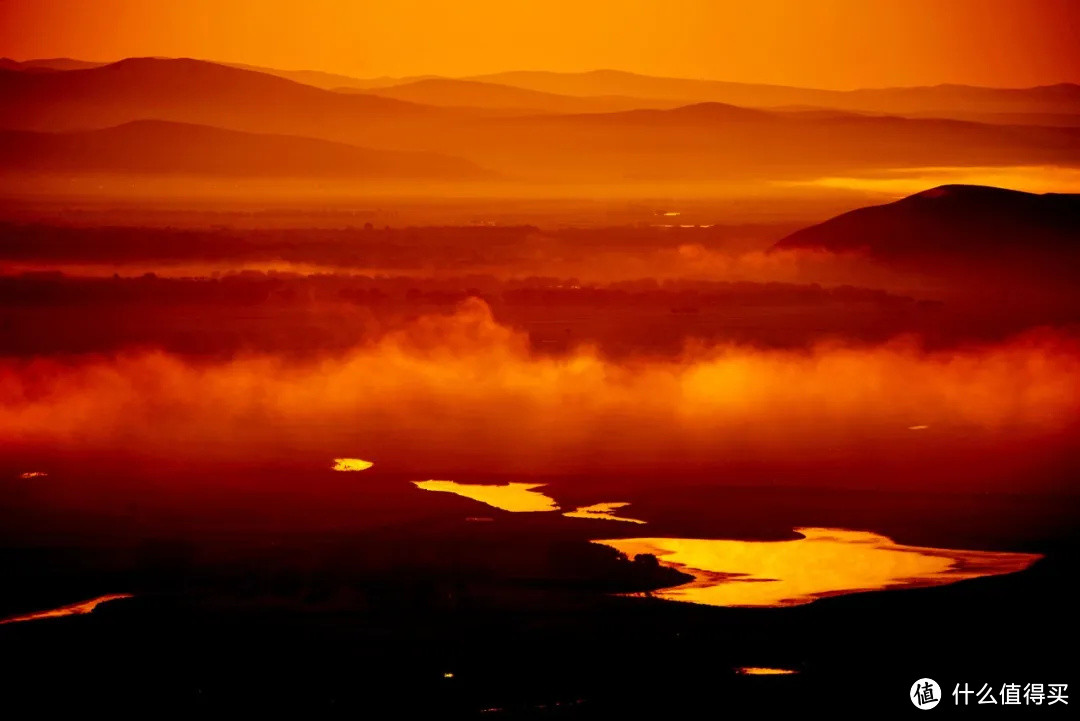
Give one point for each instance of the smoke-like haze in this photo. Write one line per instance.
(462, 391)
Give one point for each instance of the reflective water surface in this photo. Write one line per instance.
(507, 497)
(824, 562)
(764, 671)
(604, 511)
(523, 497)
(73, 609)
(351, 464)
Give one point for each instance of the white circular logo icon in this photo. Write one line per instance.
(925, 694)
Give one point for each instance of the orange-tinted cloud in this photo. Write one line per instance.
(464, 392)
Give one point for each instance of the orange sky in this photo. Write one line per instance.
(825, 43)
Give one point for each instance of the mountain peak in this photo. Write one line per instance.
(960, 191)
(714, 110)
(976, 222)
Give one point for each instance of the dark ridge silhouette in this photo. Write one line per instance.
(190, 91)
(157, 147)
(941, 99)
(1055, 103)
(317, 78)
(47, 64)
(701, 142)
(971, 221)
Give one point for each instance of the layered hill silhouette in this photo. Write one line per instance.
(477, 94)
(190, 91)
(47, 64)
(1020, 105)
(161, 147)
(938, 100)
(696, 143)
(316, 78)
(325, 80)
(1052, 104)
(715, 140)
(970, 222)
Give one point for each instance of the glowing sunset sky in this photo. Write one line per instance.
(826, 43)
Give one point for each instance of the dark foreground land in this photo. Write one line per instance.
(516, 617)
(262, 583)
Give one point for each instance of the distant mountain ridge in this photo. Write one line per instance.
(185, 90)
(48, 64)
(696, 143)
(954, 100)
(478, 94)
(326, 80)
(1058, 98)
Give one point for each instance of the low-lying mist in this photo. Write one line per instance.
(463, 393)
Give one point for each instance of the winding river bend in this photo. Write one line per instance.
(823, 562)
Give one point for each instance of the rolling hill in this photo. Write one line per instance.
(615, 90)
(697, 143)
(191, 91)
(964, 221)
(159, 147)
(47, 64)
